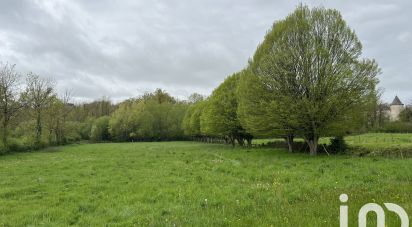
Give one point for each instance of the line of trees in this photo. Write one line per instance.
(28, 103)
(306, 79)
(33, 115)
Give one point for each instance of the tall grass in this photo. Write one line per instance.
(193, 184)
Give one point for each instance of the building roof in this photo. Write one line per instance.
(396, 101)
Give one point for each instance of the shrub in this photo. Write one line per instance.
(16, 145)
(3, 149)
(337, 145)
(72, 132)
(393, 151)
(396, 127)
(85, 129)
(100, 129)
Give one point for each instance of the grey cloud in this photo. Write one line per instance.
(124, 48)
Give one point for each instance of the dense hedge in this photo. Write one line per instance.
(395, 127)
(393, 151)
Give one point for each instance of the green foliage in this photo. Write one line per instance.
(305, 80)
(195, 98)
(381, 144)
(38, 95)
(396, 127)
(72, 131)
(311, 66)
(94, 109)
(406, 115)
(84, 129)
(191, 120)
(19, 145)
(219, 117)
(123, 121)
(100, 129)
(154, 116)
(10, 106)
(161, 120)
(258, 110)
(337, 145)
(187, 130)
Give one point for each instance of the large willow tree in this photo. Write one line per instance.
(310, 67)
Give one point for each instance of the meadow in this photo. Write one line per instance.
(193, 184)
(370, 144)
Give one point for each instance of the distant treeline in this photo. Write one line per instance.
(306, 79)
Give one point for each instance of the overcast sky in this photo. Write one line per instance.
(123, 48)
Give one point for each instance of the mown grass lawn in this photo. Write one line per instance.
(193, 184)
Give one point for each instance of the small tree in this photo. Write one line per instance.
(100, 129)
(52, 120)
(38, 95)
(406, 115)
(122, 122)
(9, 97)
(64, 113)
(195, 98)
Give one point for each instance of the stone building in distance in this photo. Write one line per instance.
(395, 109)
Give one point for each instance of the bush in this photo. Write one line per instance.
(396, 127)
(100, 129)
(72, 132)
(3, 149)
(15, 145)
(393, 151)
(85, 129)
(337, 145)
(297, 146)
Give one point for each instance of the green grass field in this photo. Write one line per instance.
(372, 144)
(193, 184)
(368, 140)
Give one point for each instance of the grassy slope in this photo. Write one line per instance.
(373, 144)
(365, 140)
(186, 183)
(381, 140)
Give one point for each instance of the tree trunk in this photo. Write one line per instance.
(313, 145)
(289, 140)
(241, 141)
(62, 130)
(57, 132)
(249, 142)
(232, 141)
(5, 131)
(38, 128)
